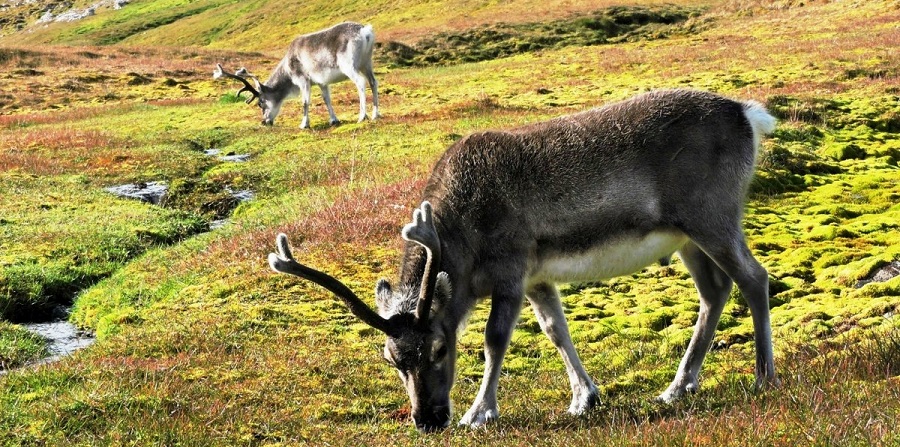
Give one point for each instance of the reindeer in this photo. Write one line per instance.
(588, 196)
(341, 52)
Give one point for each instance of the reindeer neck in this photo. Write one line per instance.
(280, 80)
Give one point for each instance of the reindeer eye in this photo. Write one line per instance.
(440, 353)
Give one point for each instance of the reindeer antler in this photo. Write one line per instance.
(422, 231)
(240, 76)
(284, 262)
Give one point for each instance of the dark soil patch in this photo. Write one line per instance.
(504, 39)
(211, 200)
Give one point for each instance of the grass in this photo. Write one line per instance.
(201, 345)
(18, 346)
(494, 41)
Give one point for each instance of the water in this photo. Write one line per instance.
(150, 192)
(62, 337)
(231, 157)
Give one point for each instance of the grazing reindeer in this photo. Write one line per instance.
(588, 196)
(341, 52)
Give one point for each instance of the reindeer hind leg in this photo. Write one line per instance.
(729, 250)
(326, 95)
(373, 84)
(714, 287)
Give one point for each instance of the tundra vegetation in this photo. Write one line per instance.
(199, 344)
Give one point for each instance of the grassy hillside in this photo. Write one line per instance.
(201, 345)
(269, 25)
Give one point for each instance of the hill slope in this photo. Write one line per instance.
(199, 344)
(267, 25)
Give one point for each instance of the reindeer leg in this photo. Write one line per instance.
(326, 95)
(360, 82)
(714, 286)
(734, 257)
(373, 84)
(506, 303)
(305, 93)
(549, 312)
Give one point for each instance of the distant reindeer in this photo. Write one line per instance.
(583, 197)
(341, 52)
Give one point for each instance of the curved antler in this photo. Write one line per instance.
(284, 262)
(239, 75)
(422, 231)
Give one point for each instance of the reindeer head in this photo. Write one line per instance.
(420, 344)
(269, 101)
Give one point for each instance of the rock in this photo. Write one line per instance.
(883, 274)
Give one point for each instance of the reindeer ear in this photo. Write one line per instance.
(383, 295)
(442, 289)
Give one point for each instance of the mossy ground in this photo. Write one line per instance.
(201, 345)
(18, 346)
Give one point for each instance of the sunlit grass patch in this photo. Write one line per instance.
(59, 235)
(202, 345)
(18, 346)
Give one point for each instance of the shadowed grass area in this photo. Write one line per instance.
(489, 42)
(201, 345)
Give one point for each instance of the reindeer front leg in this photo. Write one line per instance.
(305, 96)
(506, 302)
(549, 312)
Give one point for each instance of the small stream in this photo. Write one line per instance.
(62, 340)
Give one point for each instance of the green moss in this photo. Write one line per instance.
(843, 151)
(19, 346)
(59, 243)
(199, 341)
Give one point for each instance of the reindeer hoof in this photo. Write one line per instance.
(475, 419)
(763, 383)
(674, 393)
(334, 122)
(584, 402)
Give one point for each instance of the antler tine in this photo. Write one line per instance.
(244, 74)
(284, 262)
(219, 72)
(423, 231)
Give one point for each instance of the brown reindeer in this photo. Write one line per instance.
(508, 214)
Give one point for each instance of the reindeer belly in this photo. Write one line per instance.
(621, 256)
(327, 76)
